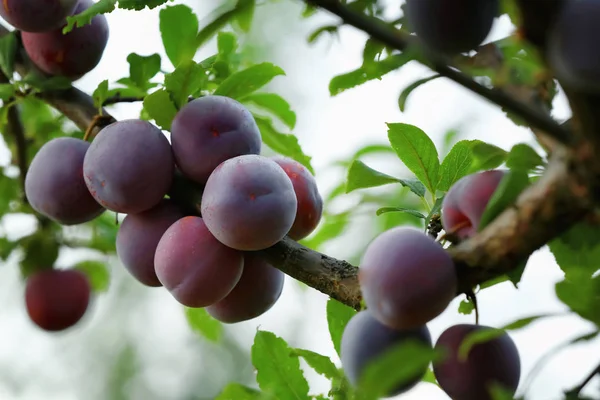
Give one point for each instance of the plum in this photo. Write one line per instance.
(492, 362)
(406, 278)
(54, 183)
(37, 15)
(249, 203)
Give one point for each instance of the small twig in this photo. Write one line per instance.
(98, 121)
(473, 297)
(400, 40)
(122, 99)
(15, 128)
(577, 389)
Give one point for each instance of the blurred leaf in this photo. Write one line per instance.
(331, 29)
(283, 143)
(410, 88)
(187, 79)
(524, 158)
(275, 104)
(242, 83)
(487, 156)
(466, 307)
(142, 69)
(430, 377)
(226, 44)
(100, 94)
(44, 84)
(201, 322)
(245, 14)
(97, 274)
(85, 17)
(361, 176)
(338, 315)
(6, 247)
(276, 371)
(417, 151)
(360, 76)
(524, 322)
(320, 363)
(219, 22)
(578, 249)
(178, 29)
(236, 391)
(8, 52)
(456, 164)
(509, 188)
(40, 252)
(160, 107)
(6, 91)
(400, 209)
(331, 227)
(581, 293)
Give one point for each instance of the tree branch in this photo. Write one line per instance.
(400, 40)
(576, 390)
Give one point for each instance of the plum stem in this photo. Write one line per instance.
(399, 40)
(473, 298)
(577, 389)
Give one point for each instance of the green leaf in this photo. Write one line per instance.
(466, 307)
(524, 322)
(400, 209)
(201, 322)
(487, 156)
(85, 17)
(509, 188)
(242, 83)
(320, 363)
(338, 315)
(178, 29)
(435, 210)
(143, 68)
(283, 143)
(331, 29)
(276, 372)
(44, 84)
(417, 151)
(524, 158)
(219, 22)
(410, 88)
(40, 251)
(581, 293)
(275, 104)
(138, 5)
(226, 44)
(8, 52)
(160, 107)
(236, 391)
(187, 79)
(331, 226)
(100, 94)
(361, 176)
(362, 75)
(456, 164)
(399, 364)
(97, 274)
(245, 14)
(577, 249)
(6, 91)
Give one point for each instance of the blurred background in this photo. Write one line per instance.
(135, 342)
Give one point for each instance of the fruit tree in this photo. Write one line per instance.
(203, 193)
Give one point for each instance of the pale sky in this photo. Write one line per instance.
(36, 365)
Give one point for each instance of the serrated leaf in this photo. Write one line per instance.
(487, 156)
(143, 68)
(160, 108)
(141, 4)
(283, 143)
(201, 322)
(338, 315)
(577, 249)
(187, 79)
(456, 164)
(178, 29)
(275, 104)
(8, 52)
(320, 363)
(400, 209)
(524, 158)
(246, 81)
(361, 75)
(466, 307)
(236, 391)
(410, 88)
(97, 274)
(361, 176)
(85, 17)
(276, 372)
(417, 151)
(508, 190)
(581, 293)
(100, 94)
(6, 91)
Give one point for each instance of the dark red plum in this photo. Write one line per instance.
(257, 291)
(54, 183)
(310, 203)
(406, 278)
(71, 55)
(129, 166)
(365, 340)
(138, 238)
(493, 362)
(57, 299)
(186, 193)
(451, 26)
(572, 47)
(249, 203)
(37, 15)
(194, 266)
(466, 201)
(210, 130)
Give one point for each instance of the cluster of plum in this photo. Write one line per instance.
(407, 279)
(197, 208)
(70, 55)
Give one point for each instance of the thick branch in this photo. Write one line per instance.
(400, 40)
